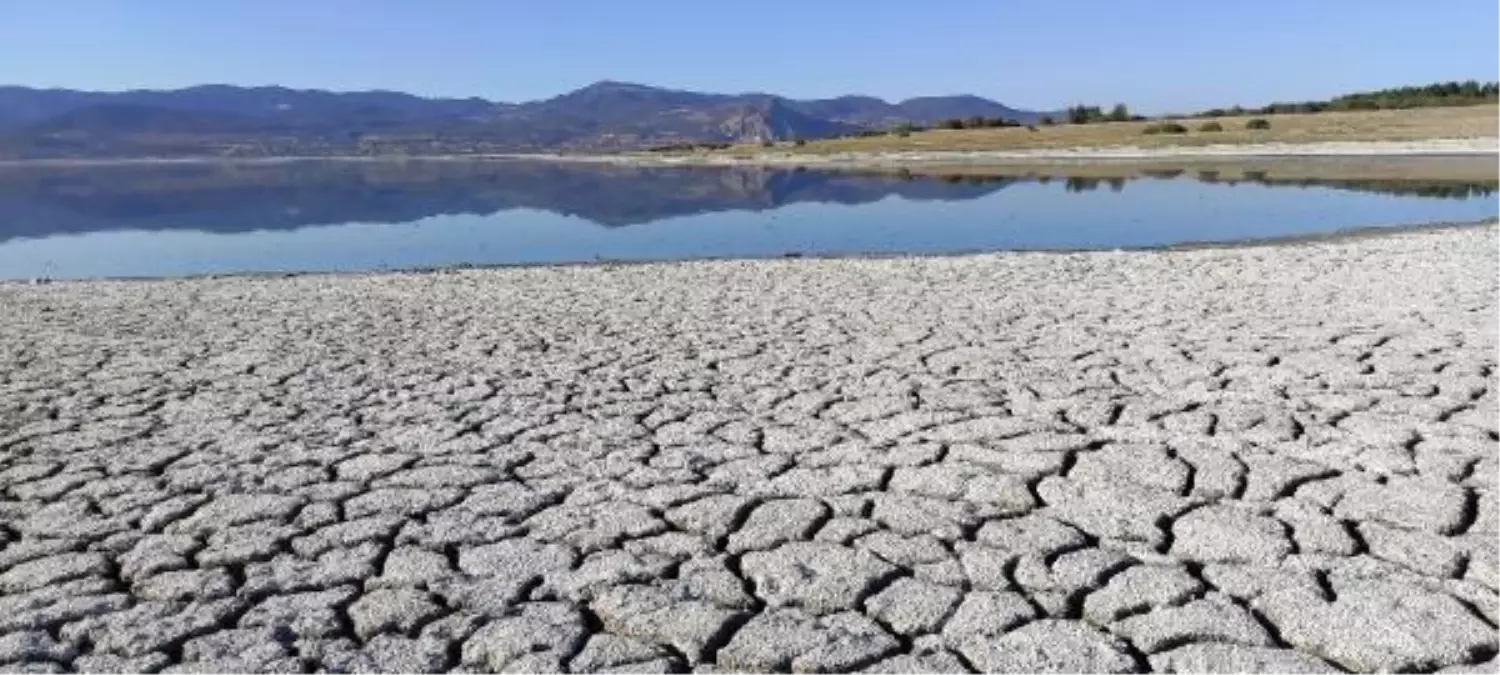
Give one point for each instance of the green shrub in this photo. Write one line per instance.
(1210, 126)
(1047, 121)
(905, 129)
(1164, 128)
(767, 143)
(1258, 124)
(800, 142)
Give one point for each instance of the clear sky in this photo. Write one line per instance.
(1157, 55)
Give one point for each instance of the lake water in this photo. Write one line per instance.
(169, 220)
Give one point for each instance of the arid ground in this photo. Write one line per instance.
(1275, 458)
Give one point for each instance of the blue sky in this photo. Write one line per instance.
(1158, 56)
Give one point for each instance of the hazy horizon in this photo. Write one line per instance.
(1168, 57)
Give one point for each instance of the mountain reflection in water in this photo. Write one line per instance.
(230, 197)
(175, 219)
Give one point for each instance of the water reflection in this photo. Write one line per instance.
(39, 202)
(241, 197)
(1405, 187)
(173, 219)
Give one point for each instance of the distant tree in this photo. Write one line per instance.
(975, 122)
(954, 123)
(800, 142)
(1119, 113)
(1047, 121)
(1258, 124)
(767, 143)
(1084, 114)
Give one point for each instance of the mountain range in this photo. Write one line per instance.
(233, 121)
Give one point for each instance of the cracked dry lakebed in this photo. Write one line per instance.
(1274, 458)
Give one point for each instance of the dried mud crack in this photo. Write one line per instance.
(1259, 459)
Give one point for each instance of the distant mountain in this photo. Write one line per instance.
(223, 120)
(20, 106)
(871, 112)
(127, 118)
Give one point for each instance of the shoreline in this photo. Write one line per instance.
(1436, 147)
(1352, 233)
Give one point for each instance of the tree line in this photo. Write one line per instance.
(1091, 114)
(1434, 95)
(977, 122)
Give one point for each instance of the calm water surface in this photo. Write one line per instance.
(312, 216)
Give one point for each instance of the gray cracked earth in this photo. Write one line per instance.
(1262, 459)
